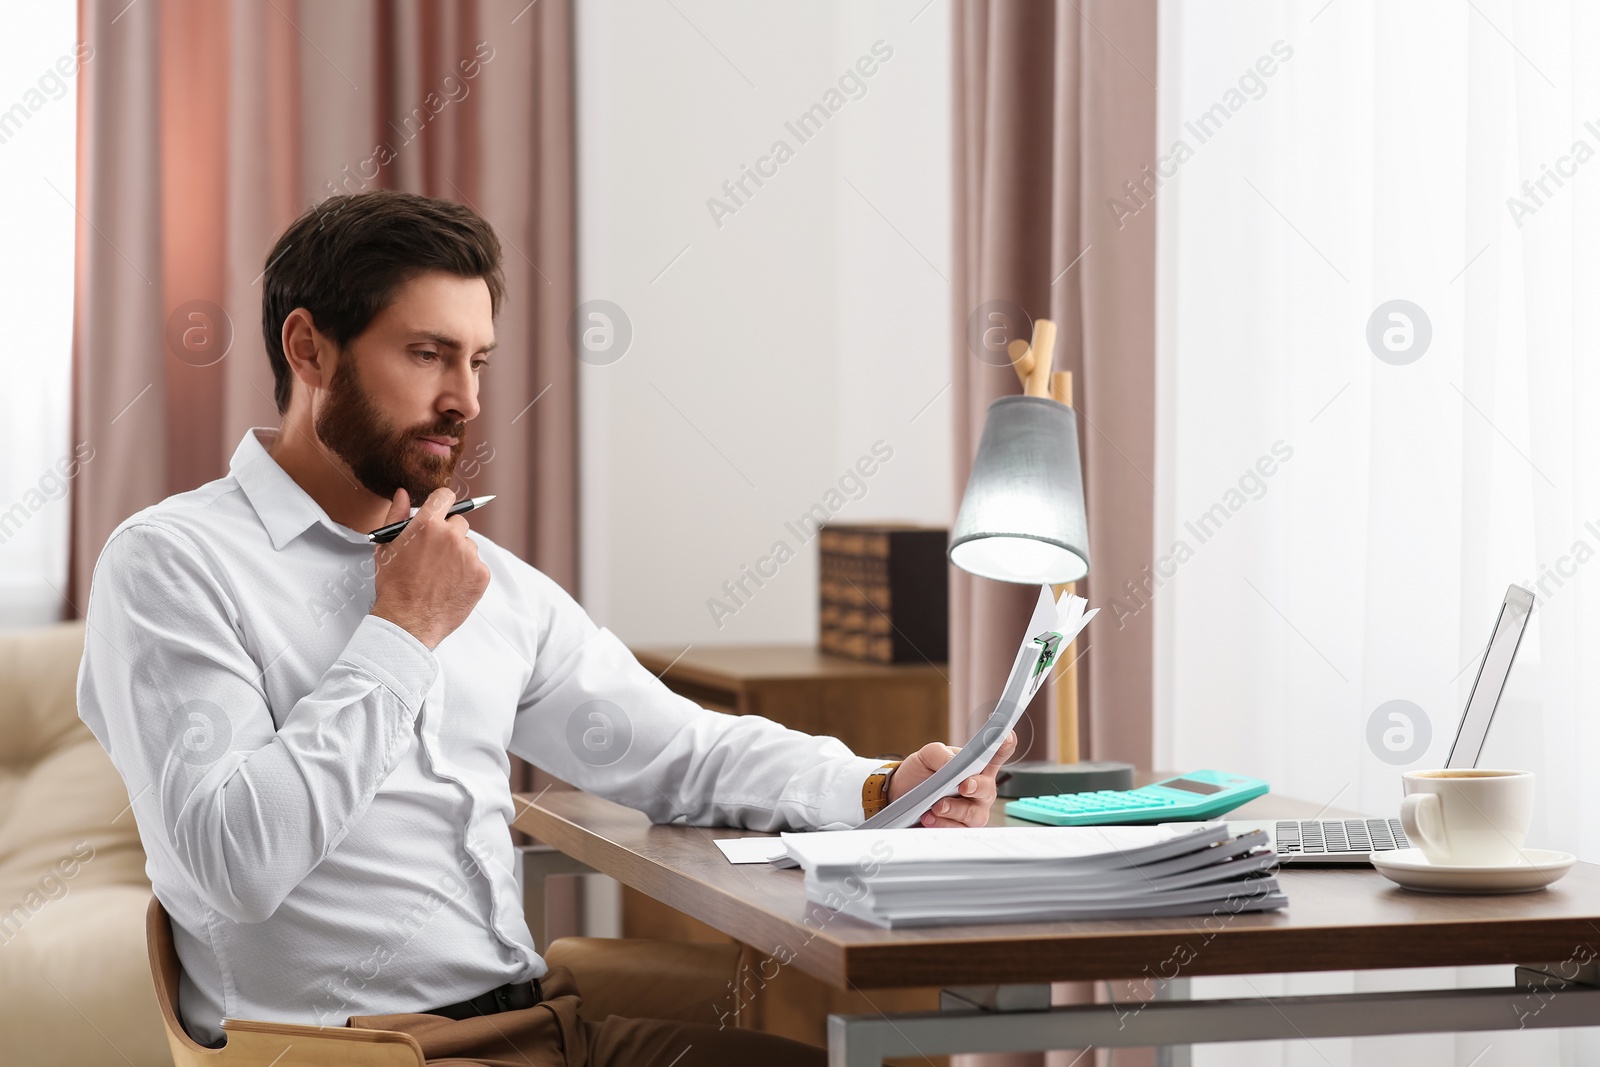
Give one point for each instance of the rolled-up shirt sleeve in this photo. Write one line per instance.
(595, 717)
(167, 685)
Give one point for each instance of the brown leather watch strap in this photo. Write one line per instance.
(875, 790)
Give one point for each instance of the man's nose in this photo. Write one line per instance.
(460, 399)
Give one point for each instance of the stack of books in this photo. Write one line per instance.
(884, 592)
(921, 877)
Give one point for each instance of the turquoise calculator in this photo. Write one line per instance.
(1195, 796)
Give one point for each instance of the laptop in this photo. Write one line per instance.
(1346, 842)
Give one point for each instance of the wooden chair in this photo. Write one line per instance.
(257, 1044)
(650, 979)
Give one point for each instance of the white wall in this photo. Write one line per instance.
(772, 350)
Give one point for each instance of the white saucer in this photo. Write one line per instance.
(1409, 868)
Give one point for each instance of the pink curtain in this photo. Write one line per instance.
(1054, 109)
(205, 128)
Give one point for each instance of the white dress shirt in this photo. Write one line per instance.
(324, 802)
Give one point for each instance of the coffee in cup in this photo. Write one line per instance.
(1468, 818)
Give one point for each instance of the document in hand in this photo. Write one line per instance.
(917, 877)
(1053, 626)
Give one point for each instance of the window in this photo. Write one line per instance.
(38, 158)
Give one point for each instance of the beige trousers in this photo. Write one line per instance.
(551, 1034)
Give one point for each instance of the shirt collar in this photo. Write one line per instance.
(285, 509)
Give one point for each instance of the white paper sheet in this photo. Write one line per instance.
(751, 849)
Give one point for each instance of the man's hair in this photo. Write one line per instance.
(346, 258)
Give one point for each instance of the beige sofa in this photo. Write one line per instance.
(75, 984)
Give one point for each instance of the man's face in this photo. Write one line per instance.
(411, 375)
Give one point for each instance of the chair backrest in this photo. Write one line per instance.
(252, 1043)
(165, 969)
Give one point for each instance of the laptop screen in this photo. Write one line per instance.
(1491, 681)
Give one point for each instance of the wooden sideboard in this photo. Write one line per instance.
(877, 709)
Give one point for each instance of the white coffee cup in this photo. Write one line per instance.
(1468, 818)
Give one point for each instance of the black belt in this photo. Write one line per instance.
(506, 997)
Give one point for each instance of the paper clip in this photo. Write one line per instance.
(1052, 644)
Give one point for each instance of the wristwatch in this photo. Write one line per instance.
(875, 790)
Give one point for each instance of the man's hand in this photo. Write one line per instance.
(430, 577)
(971, 808)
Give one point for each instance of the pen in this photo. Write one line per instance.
(384, 534)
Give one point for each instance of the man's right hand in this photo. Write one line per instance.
(429, 578)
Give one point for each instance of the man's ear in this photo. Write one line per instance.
(308, 351)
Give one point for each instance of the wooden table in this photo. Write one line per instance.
(1337, 919)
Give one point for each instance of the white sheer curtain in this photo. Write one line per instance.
(38, 108)
(1379, 156)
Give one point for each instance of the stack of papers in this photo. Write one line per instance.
(920, 877)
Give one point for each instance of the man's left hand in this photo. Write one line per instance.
(977, 793)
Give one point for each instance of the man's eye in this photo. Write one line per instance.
(480, 364)
(426, 354)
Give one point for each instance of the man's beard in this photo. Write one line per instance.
(384, 458)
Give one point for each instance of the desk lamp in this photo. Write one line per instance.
(1022, 520)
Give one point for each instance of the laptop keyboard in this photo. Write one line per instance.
(1309, 837)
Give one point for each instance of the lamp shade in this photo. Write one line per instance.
(1022, 516)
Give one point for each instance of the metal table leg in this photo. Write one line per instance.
(1174, 1055)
